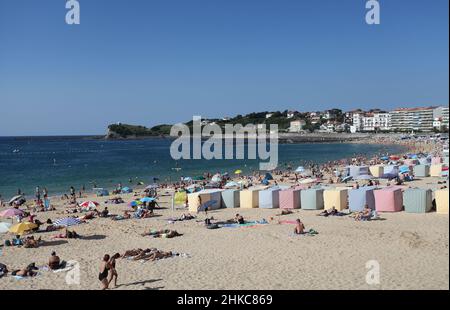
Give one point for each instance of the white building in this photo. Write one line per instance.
(269, 115)
(437, 123)
(290, 114)
(413, 119)
(371, 122)
(357, 121)
(297, 126)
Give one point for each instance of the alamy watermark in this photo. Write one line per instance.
(373, 13)
(261, 142)
(73, 13)
(373, 273)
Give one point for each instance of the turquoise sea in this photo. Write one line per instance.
(60, 162)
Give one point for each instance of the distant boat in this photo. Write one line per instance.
(176, 169)
(16, 151)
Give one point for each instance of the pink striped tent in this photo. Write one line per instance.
(389, 199)
(290, 198)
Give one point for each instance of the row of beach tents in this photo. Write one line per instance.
(387, 199)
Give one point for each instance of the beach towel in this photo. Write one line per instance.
(288, 222)
(246, 224)
(310, 232)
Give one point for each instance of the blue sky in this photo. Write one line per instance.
(161, 61)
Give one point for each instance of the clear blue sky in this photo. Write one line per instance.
(161, 61)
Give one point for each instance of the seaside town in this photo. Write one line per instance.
(401, 120)
(420, 119)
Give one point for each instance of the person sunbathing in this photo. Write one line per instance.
(147, 214)
(239, 219)
(144, 254)
(167, 233)
(54, 262)
(68, 235)
(158, 255)
(329, 212)
(29, 271)
(104, 213)
(285, 212)
(126, 215)
(88, 216)
(30, 242)
(364, 215)
(186, 217)
(131, 253)
(299, 227)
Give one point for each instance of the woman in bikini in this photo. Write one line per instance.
(104, 269)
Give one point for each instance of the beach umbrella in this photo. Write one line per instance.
(134, 203)
(238, 171)
(20, 228)
(187, 179)
(268, 176)
(11, 212)
(232, 184)
(147, 199)
(384, 158)
(404, 169)
(300, 169)
(207, 204)
(126, 190)
(198, 178)
(15, 198)
(4, 227)
(364, 177)
(89, 204)
(68, 221)
(265, 182)
(394, 157)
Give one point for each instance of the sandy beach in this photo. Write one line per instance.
(411, 249)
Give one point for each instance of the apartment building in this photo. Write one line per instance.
(371, 122)
(412, 119)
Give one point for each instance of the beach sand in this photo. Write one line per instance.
(412, 250)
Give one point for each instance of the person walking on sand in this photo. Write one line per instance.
(104, 269)
(113, 273)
